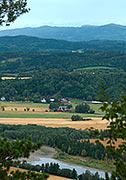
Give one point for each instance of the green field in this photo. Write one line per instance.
(93, 68)
(24, 104)
(30, 114)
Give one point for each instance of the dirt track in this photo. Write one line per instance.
(97, 123)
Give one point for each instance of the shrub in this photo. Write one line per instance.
(82, 108)
(76, 118)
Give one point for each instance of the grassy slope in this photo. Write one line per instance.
(88, 162)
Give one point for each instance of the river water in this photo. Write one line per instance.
(79, 169)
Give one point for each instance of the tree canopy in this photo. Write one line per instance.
(11, 9)
(11, 151)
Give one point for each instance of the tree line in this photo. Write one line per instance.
(54, 168)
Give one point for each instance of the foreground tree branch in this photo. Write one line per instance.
(11, 9)
(12, 150)
(115, 113)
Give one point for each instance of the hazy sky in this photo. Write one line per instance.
(72, 13)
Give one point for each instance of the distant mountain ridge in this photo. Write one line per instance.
(83, 33)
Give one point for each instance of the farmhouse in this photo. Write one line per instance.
(47, 100)
(64, 109)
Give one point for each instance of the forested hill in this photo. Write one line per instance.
(34, 44)
(27, 62)
(55, 83)
(84, 33)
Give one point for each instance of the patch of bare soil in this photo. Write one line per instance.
(45, 151)
(97, 123)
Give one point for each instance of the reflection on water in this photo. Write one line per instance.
(62, 165)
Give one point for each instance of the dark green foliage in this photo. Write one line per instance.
(11, 9)
(12, 150)
(16, 62)
(29, 176)
(53, 168)
(54, 106)
(115, 113)
(66, 139)
(76, 118)
(79, 118)
(34, 44)
(65, 84)
(82, 108)
(88, 176)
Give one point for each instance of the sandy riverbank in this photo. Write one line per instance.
(44, 152)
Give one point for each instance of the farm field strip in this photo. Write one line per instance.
(55, 122)
(43, 114)
(23, 104)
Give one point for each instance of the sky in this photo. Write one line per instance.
(72, 13)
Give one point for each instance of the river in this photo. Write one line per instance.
(79, 169)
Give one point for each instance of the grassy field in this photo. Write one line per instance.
(23, 104)
(30, 114)
(94, 67)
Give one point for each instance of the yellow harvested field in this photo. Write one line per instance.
(51, 177)
(117, 143)
(97, 123)
(4, 78)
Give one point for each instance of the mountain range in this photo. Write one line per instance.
(83, 33)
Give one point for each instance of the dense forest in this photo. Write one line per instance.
(25, 62)
(34, 44)
(66, 139)
(54, 83)
(69, 75)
